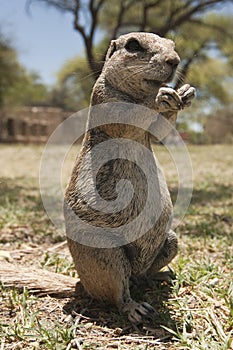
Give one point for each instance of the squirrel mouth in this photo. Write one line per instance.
(157, 83)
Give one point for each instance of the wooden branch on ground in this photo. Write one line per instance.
(37, 281)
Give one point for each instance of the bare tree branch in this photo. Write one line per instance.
(212, 26)
(153, 4)
(63, 6)
(144, 18)
(100, 4)
(183, 71)
(185, 13)
(77, 24)
(120, 16)
(88, 37)
(176, 15)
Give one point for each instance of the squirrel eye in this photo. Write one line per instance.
(134, 46)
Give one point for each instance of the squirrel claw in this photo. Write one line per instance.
(186, 93)
(168, 99)
(142, 311)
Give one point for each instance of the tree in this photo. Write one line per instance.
(9, 67)
(17, 85)
(73, 87)
(26, 90)
(164, 17)
(207, 64)
(208, 57)
(219, 126)
(197, 34)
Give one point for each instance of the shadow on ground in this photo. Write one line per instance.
(103, 314)
(206, 194)
(12, 191)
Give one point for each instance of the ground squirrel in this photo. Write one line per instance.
(137, 67)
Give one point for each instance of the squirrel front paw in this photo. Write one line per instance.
(186, 93)
(169, 99)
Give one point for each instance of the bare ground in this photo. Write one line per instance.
(195, 310)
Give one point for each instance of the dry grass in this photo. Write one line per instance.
(195, 310)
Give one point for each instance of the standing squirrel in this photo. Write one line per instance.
(137, 67)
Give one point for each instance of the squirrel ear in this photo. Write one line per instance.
(111, 50)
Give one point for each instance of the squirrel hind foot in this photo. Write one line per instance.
(138, 312)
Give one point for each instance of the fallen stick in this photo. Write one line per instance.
(37, 281)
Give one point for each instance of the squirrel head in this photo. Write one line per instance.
(138, 63)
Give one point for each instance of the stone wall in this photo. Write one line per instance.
(30, 124)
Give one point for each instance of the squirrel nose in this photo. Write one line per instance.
(173, 60)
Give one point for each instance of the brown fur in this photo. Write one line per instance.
(139, 77)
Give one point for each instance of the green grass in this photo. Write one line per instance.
(195, 310)
(28, 328)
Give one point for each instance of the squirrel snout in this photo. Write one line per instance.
(173, 60)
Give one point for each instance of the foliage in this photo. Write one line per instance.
(73, 87)
(9, 67)
(203, 40)
(26, 90)
(17, 85)
(116, 17)
(219, 125)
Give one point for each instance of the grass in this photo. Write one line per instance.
(195, 311)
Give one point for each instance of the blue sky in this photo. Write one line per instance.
(45, 39)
